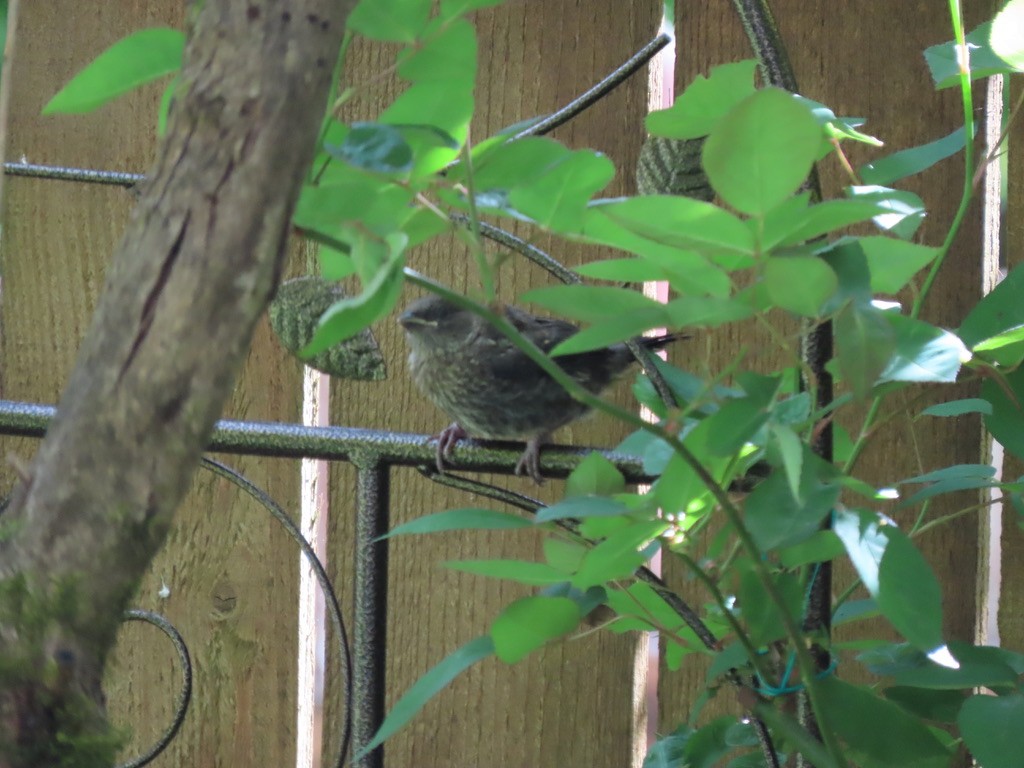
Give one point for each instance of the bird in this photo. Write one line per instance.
(490, 387)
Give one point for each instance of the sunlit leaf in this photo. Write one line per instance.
(590, 303)
(139, 58)
(699, 108)
(762, 151)
(390, 20)
(557, 199)
(893, 262)
(923, 352)
(529, 623)
(1007, 37)
(903, 211)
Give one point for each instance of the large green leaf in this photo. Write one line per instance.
(991, 727)
(923, 353)
(620, 554)
(679, 221)
(777, 517)
(902, 213)
(893, 262)
(137, 59)
(529, 623)
(908, 592)
(706, 100)
(762, 151)
(617, 328)
(428, 686)
(595, 475)
(581, 507)
(558, 198)
(878, 732)
(800, 284)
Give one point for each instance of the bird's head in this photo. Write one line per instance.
(436, 323)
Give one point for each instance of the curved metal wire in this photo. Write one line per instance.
(330, 597)
(184, 696)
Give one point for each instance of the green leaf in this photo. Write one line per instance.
(940, 706)
(558, 198)
(863, 535)
(762, 151)
(782, 228)
(923, 352)
(699, 108)
(622, 270)
(801, 285)
(761, 616)
(1006, 422)
(736, 422)
(136, 60)
(944, 64)
(1005, 349)
(375, 147)
(596, 476)
(707, 311)
(960, 477)
(390, 20)
(349, 316)
(893, 262)
(531, 622)
(613, 330)
(689, 272)
(452, 8)
(853, 610)
(1006, 39)
(819, 547)
(908, 592)
(796, 734)
(580, 507)
(908, 162)
(959, 407)
(428, 686)
(512, 164)
(997, 312)
(865, 342)
(620, 554)
(679, 221)
(446, 58)
(777, 517)
(991, 728)
(590, 303)
(838, 128)
(903, 211)
(879, 730)
(979, 666)
(790, 450)
(460, 520)
(521, 571)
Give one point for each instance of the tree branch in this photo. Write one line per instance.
(197, 266)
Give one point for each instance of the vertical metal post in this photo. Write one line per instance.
(371, 592)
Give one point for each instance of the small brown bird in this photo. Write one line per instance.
(472, 372)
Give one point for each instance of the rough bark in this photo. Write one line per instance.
(197, 265)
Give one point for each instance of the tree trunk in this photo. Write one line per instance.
(196, 268)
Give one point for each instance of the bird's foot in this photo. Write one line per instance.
(529, 462)
(449, 436)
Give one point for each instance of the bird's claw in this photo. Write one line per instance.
(529, 462)
(446, 441)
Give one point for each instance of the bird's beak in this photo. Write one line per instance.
(410, 320)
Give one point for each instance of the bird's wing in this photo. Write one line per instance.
(545, 332)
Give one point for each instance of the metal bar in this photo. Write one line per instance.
(60, 173)
(371, 602)
(347, 444)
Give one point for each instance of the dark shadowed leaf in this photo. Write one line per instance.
(907, 162)
(991, 727)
